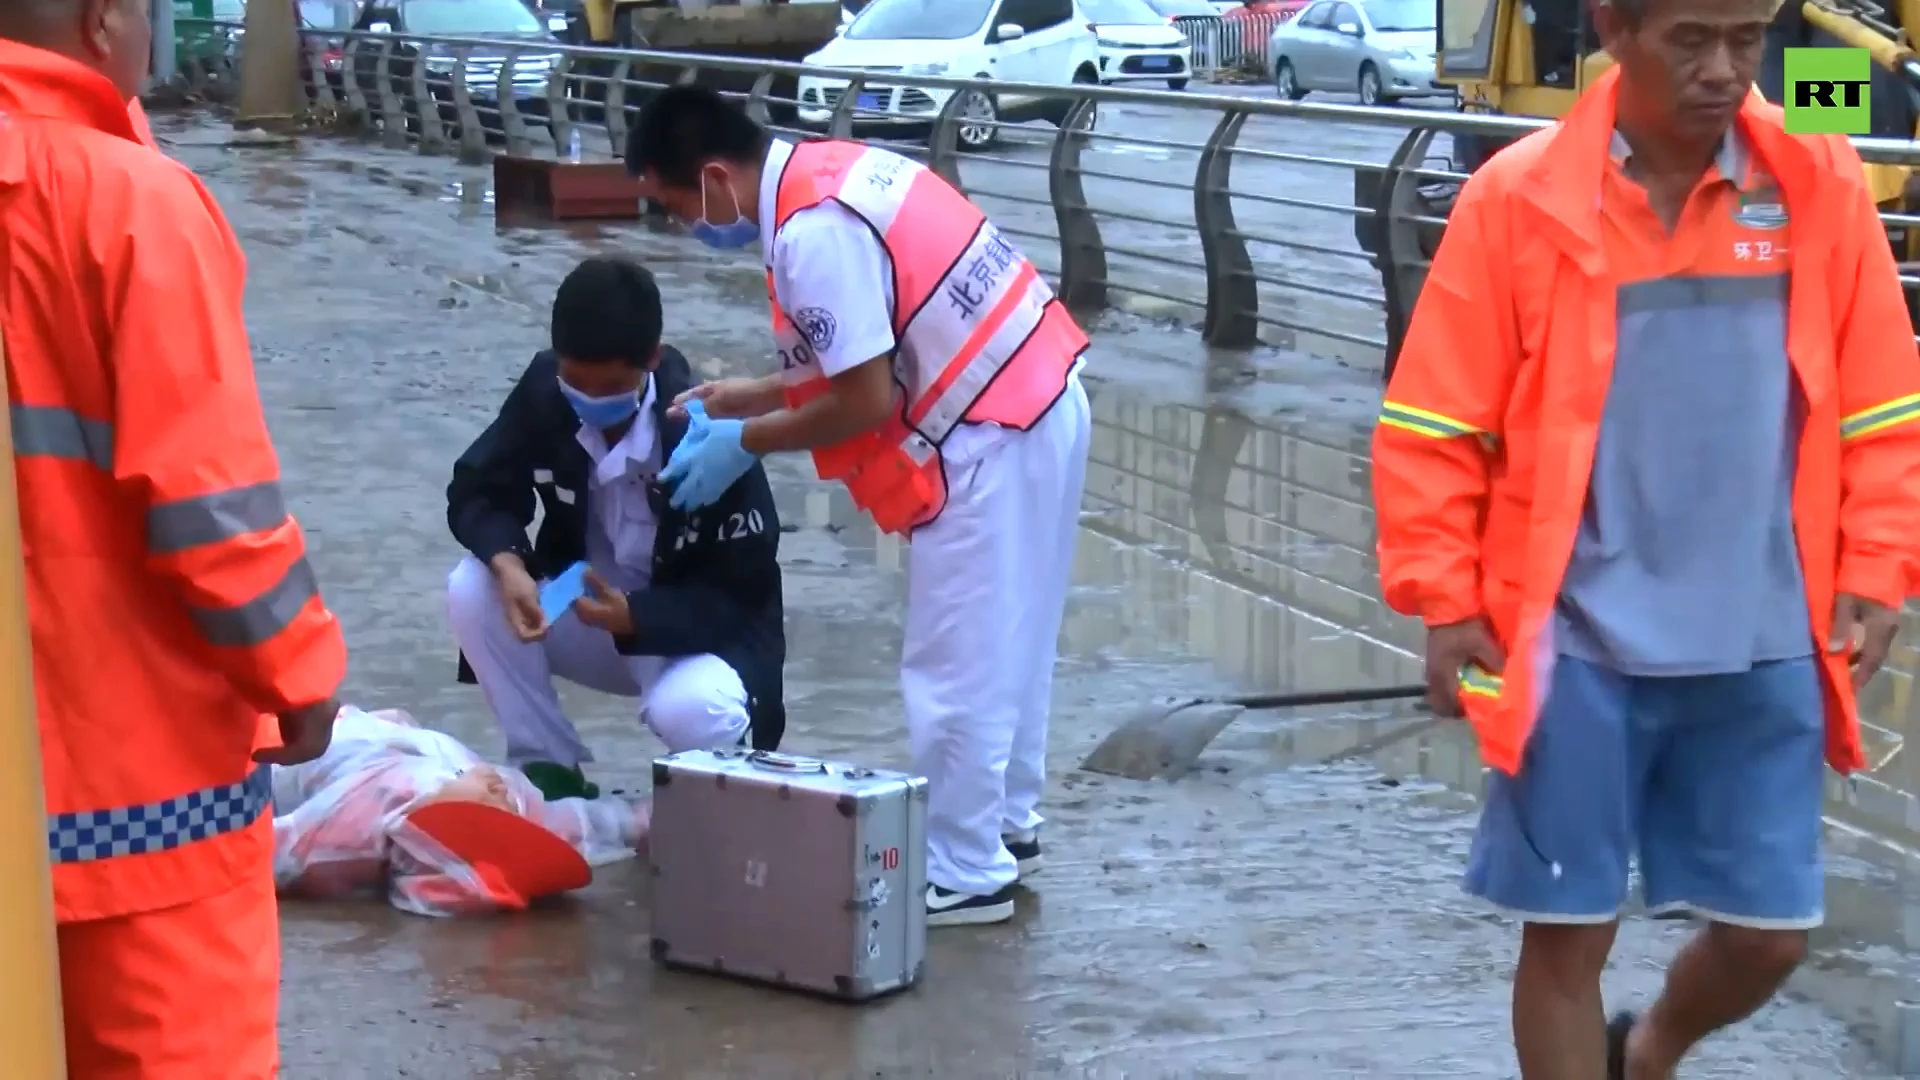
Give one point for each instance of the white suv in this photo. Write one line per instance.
(1030, 41)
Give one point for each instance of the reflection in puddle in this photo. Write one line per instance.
(460, 191)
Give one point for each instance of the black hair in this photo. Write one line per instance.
(682, 128)
(607, 311)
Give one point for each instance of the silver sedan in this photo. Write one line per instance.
(1380, 49)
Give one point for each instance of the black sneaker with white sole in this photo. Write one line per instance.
(948, 908)
(1025, 848)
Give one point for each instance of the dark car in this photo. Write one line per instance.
(508, 22)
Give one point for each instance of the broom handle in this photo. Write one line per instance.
(1327, 697)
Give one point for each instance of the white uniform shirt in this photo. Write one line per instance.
(621, 526)
(827, 259)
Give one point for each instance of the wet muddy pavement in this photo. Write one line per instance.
(1264, 917)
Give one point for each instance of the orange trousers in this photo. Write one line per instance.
(184, 993)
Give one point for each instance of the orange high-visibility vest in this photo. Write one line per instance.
(171, 605)
(1485, 446)
(982, 337)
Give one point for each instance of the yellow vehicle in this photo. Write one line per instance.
(1535, 57)
(776, 30)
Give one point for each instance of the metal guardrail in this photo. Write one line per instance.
(1112, 215)
(1152, 225)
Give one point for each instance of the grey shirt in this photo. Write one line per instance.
(1686, 562)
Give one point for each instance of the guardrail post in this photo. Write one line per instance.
(1402, 259)
(756, 106)
(28, 953)
(841, 126)
(393, 111)
(559, 110)
(943, 142)
(325, 101)
(1233, 294)
(513, 126)
(616, 110)
(433, 134)
(165, 39)
(473, 135)
(350, 82)
(1083, 255)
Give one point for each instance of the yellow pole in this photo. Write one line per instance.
(30, 1028)
(270, 85)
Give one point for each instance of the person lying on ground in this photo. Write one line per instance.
(682, 609)
(395, 805)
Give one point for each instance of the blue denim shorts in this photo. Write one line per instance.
(1712, 781)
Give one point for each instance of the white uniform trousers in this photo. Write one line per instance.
(690, 702)
(986, 593)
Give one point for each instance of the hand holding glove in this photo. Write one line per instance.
(707, 461)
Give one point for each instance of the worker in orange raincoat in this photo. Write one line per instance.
(1649, 471)
(172, 607)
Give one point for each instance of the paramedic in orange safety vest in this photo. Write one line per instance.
(171, 604)
(1649, 470)
(927, 366)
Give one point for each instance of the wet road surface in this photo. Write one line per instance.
(1263, 917)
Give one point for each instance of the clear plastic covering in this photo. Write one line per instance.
(341, 821)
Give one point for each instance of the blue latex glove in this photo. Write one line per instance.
(707, 461)
(557, 595)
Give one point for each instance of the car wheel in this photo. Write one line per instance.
(1286, 83)
(1369, 85)
(978, 127)
(1176, 84)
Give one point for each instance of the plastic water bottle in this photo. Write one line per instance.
(573, 146)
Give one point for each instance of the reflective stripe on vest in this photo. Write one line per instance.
(91, 835)
(49, 431)
(971, 314)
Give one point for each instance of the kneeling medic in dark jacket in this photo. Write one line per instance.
(680, 610)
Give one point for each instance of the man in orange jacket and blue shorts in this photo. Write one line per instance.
(1649, 471)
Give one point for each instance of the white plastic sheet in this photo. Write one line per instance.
(340, 824)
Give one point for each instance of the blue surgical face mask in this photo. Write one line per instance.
(602, 412)
(737, 233)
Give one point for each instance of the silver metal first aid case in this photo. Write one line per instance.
(788, 870)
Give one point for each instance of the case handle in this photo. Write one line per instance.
(767, 759)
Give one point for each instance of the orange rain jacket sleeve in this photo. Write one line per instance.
(1880, 438)
(1434, 447)
(191, 445)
